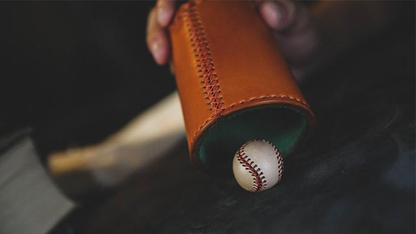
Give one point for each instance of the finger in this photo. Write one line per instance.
(298, 37)
(294, 31)
(156, 39)
(279, 15)
(165, 11)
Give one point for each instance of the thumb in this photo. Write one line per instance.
(293, 29)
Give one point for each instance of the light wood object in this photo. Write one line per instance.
(142, 141)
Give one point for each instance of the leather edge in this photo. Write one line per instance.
(243, 104)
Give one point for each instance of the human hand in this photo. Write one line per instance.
(290, 22)
(156, 35)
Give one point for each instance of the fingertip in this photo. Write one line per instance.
(278, 15)
(271, 13)
(159, 49)
(165, 11)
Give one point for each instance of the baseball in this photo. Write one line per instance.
(257, 166)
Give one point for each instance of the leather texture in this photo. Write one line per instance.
(226, 60)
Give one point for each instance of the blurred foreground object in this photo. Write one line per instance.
(30, 203)
(107, 164)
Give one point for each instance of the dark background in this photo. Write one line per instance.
(76, 72)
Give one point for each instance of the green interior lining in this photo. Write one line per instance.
(282, 125)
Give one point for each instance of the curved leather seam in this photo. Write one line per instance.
(204, 61)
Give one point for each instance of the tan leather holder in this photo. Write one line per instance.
(233, 83)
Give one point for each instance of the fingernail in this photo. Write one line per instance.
(272, 13)
(158, 50)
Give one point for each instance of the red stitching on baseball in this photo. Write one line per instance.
(204, 61)
(259, 179)
(279, 160)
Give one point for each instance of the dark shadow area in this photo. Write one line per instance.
(76, 71)
(284, 126)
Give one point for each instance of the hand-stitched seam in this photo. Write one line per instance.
(275, 97)
(279, 160)
(204, 62)
(259, 180)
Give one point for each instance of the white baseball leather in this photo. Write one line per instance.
(257, 166)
